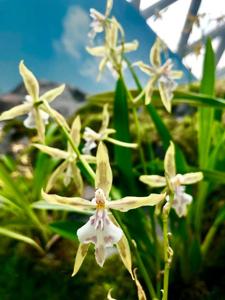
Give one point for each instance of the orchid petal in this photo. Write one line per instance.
(176, 74)
(191, 178)
(89, 158)
(103, 178)
(80, 256)
(165, 95)
(75, 202)
(141, 293)
(128, 47)
(16, 111)
(153, 180)
(100, 231)
(30, 81)
(154, 55)
(54, 152)
(149, 90)
(145, 68)
(120, 143)
(124, 250)
(169, 161)
(109, 296)
(75, 131)
(54, 93)
(55, 175)
(128, 203)
(96, 51)
(40, 124)
(109, 6)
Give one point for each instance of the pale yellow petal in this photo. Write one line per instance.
(54, 93)
(89, 158)
(169, 161)
(144, 68)
(128, 47)
(75, 202)
(103, 178)
(109, 6)
(128, 203)
(154, 55)
(124, 249)
(141, 292)
(16, 111)
(96, 51)
(40, 125)
(149, 89)
(109, 296)
(80, 256)
(55, 115)
(191, 178)
(30, 81)
(176, 74)
(55, 175)
(153, 180)
(54, 152)
(164, 96)
(75, 131)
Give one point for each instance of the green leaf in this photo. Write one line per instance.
(123, 155)
(66, 229)
(206, 115)
(20, 237)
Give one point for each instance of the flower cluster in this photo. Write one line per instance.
(111, 52)
(101, 229)
(174, 182)
(161, 75)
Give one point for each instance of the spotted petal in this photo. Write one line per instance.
(53, 93)
(80, 256)
(128, 203)
(54, 152)
(75, 202)
(124, 250)
(153, 180)
(100, 231)
(103, 178)
(30, 81)
(191, 178)
(169, 161)
(16, 111)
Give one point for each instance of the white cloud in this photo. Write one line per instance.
(75, 30)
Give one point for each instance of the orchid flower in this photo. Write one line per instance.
(37, 116)
(68, 166)
(112, 52)
(99, 20)
(161, 75)
(174, 181)
(101, 229)
(91, 137)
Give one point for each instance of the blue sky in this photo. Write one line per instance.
(51, 35)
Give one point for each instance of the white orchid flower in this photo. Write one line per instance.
(175, 181)
(101, 229)
(112, 51)
(99, 20)
(68, 166)
(37, 116)
(161, 75)
(91, 137)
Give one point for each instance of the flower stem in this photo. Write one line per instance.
(70, 140)
(168, 252)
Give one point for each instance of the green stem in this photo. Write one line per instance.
(168, 252)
